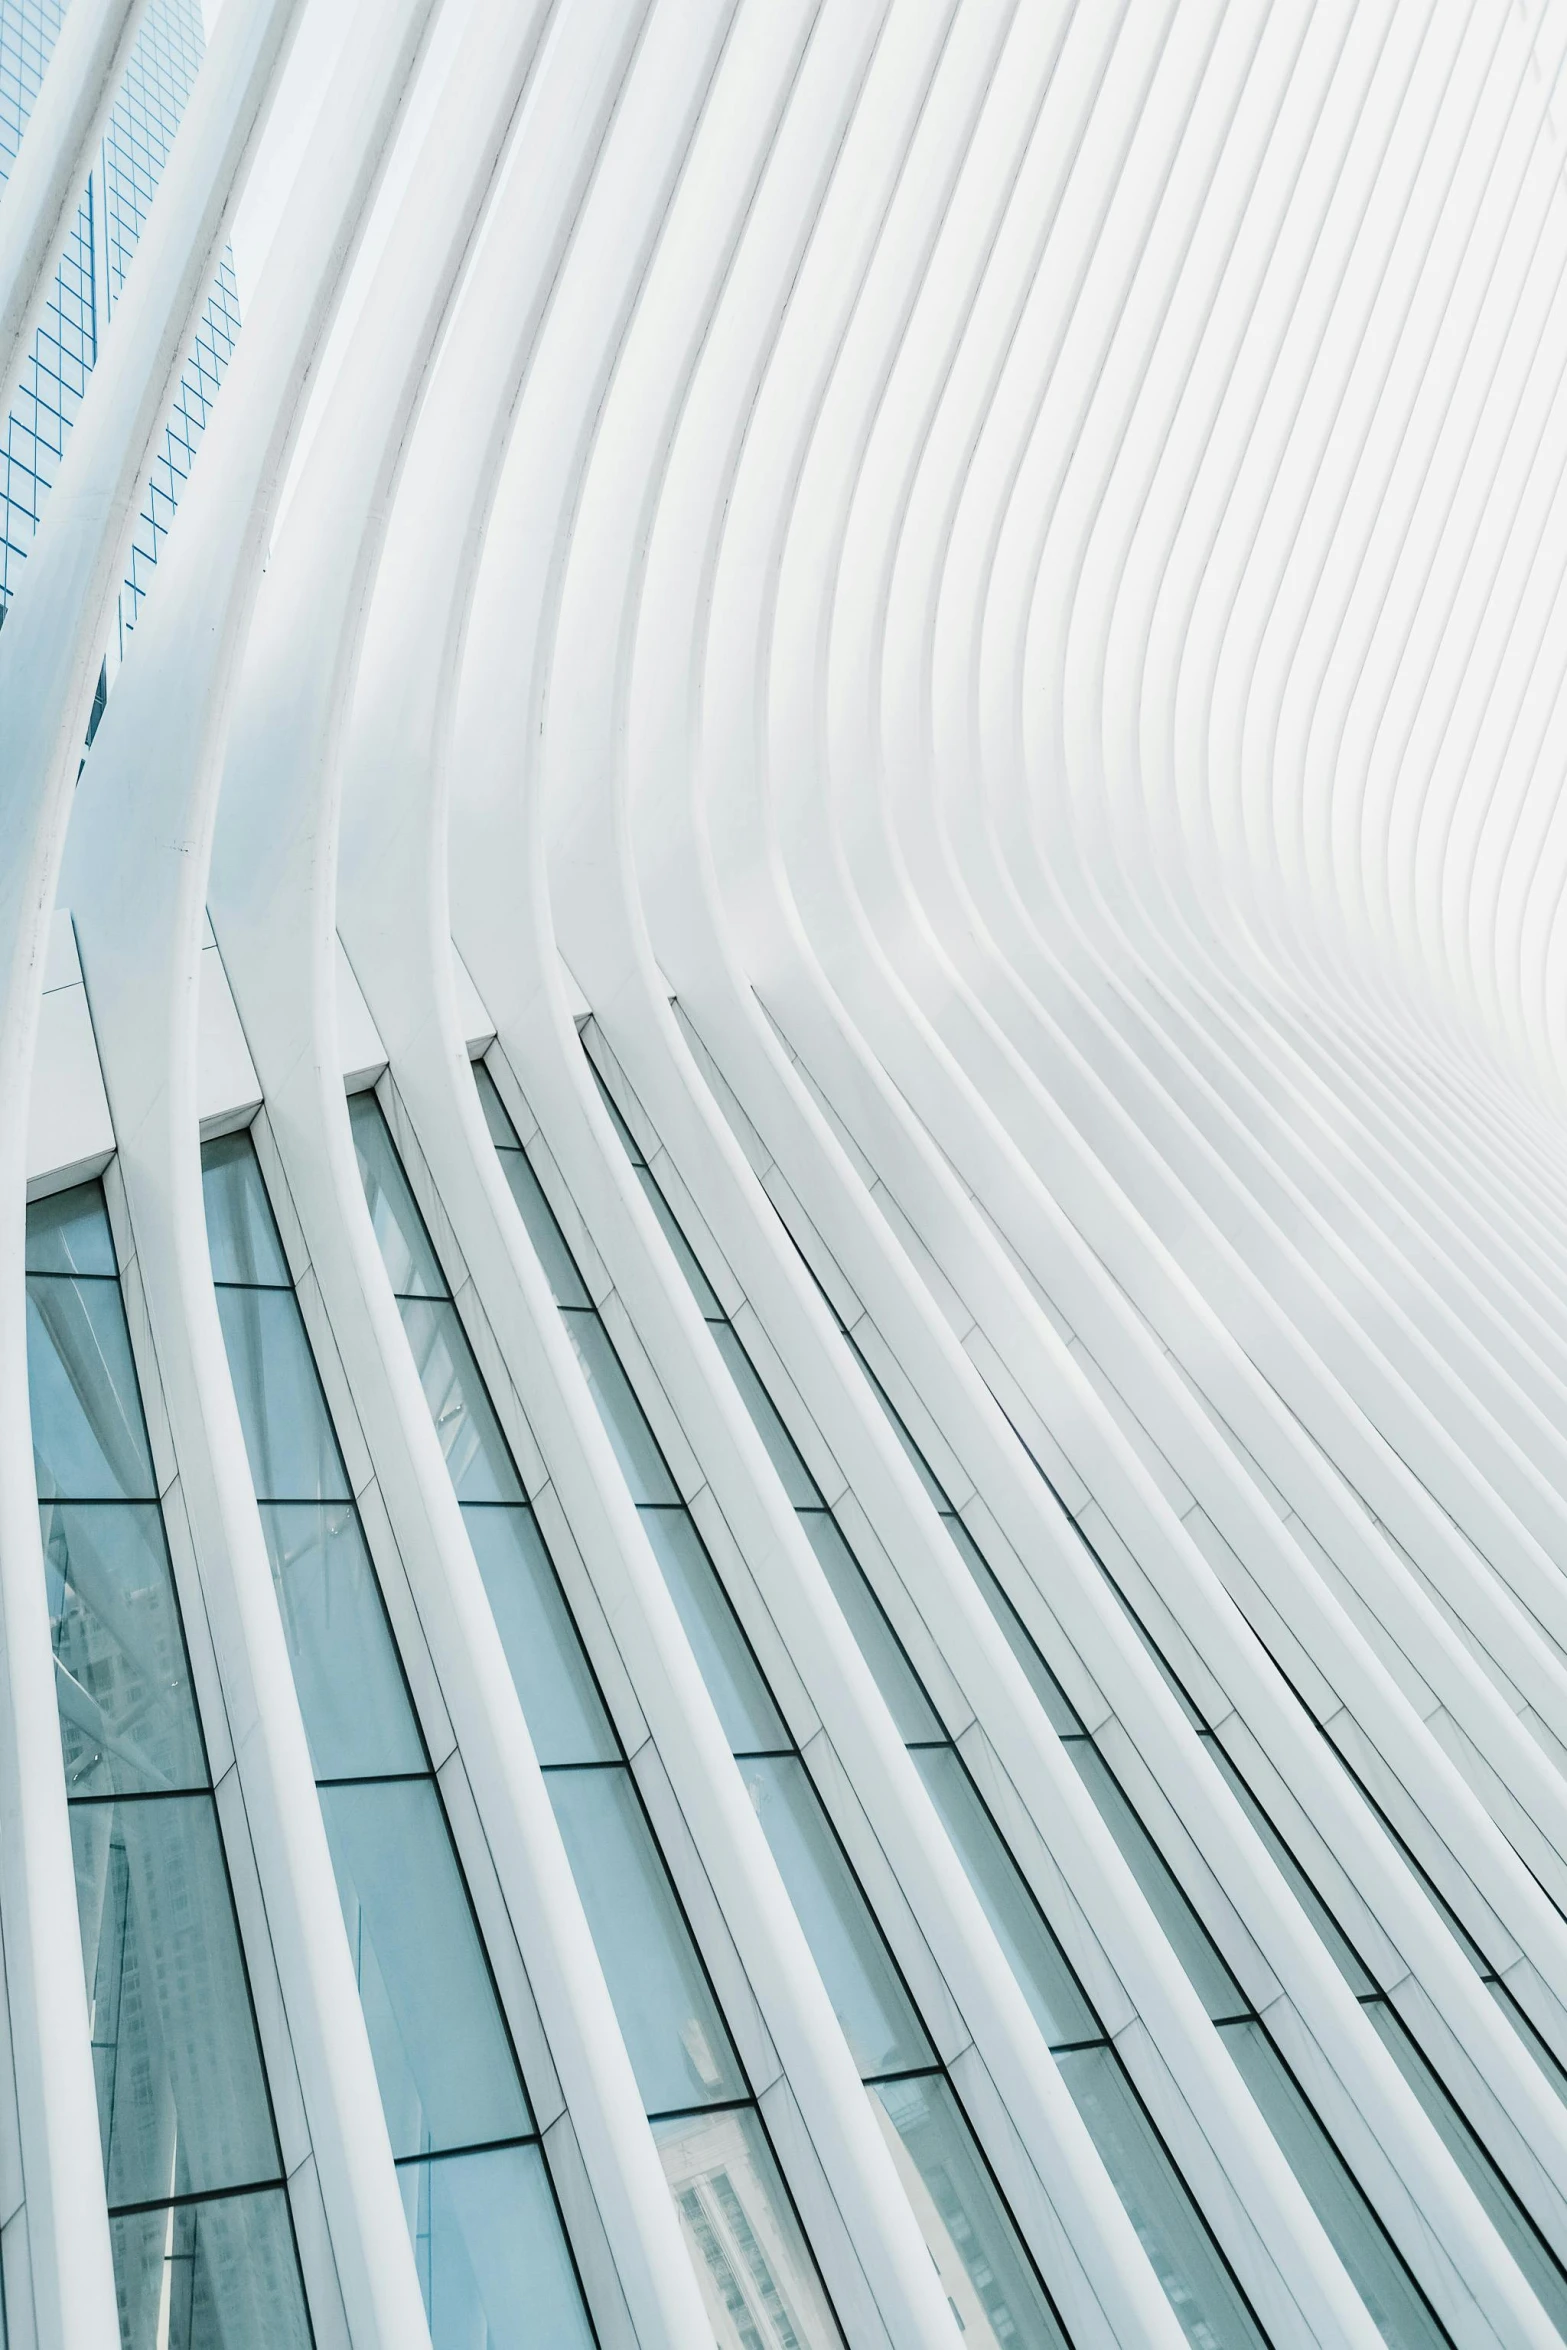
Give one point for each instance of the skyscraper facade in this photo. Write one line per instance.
(782, 1481)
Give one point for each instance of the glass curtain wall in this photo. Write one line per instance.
(1206, 2297)
(494, 2266)
(1384, 2281)
(988, 2275)
(199, 2222)
(757, 2277)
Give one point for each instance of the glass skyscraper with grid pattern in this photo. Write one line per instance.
(91, 278)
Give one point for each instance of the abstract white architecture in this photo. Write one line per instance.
(783, 1212)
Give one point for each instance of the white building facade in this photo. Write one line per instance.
(782, 1490)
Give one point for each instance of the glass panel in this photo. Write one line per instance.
(1062, 2012)
(1062, 1715)
(875, 1638)
(991, 2288)
(1205, 1970)
(442, 2056)
(476, 1452)
(127, 1719)
(357, 1715)
(561, 1705)
(549, 1242)
(878, 2018)
(757, 2277)
(242, 1238)
(502, 1132)
(69, 1232)
(409, 1259)
(734, 1680)
(89, 1440)
(293, 1452)
(206, 2274)
(628, 1140)
(1200, 2289)
(674, 2035)
(696, 1279)
(795, 1477)
(1515, 2230)
(493, 2266)
(641, 1462)
(1375, 2269)
(181, 2106)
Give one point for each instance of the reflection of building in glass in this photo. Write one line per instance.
(760, 2294)
(91, 277)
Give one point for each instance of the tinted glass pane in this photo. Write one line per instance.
(181, 2104)
(69, 1232)
(293, 1453)
(796, 1478)
(502, 1132)
(890, 1669)
(207, 2274)
(560, 1704)
(89, 1442)
(676, 2040)
(696, 1279)
(1199, 2287)
(757, 2277)
(476, 1453)
(493, 2264)
(1206, 1971)
(1035, 1956)
(357, 1715)
(641, 1462)
(983, 2268)
(1046, 1688)
(442, 2056)
(1537, 2263)
(878, 2019)
(242, 1238)
(628, 1141)
(1375, 2270)
(409, 1259)
(733, 1678)
(127, 1719)
(549, 1242)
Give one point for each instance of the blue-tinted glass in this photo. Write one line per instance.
(1197, 2284)
(502, 1132)
(442, 2057)
(755, 2272)
(293, 1453)
(560, 1704)
(675, 2037)
(127, 1718)
(69, 1232)
(696, 1280)
(987, 2277)
(796, 1478)
(734, 1681)
(1062, 1715)
(476, 1452)
(210, 2274)
(357, 1715)
(879, 2023)
(493, 2266)
(1060, 2009)
(242, 1238)
(1206, 1971)
(628, 1141)
(409, 1259)
(549, 1242)
(181, 2105)
(641, 1462)
(1378, 2275)
(89, 1440)
(890, 1669)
